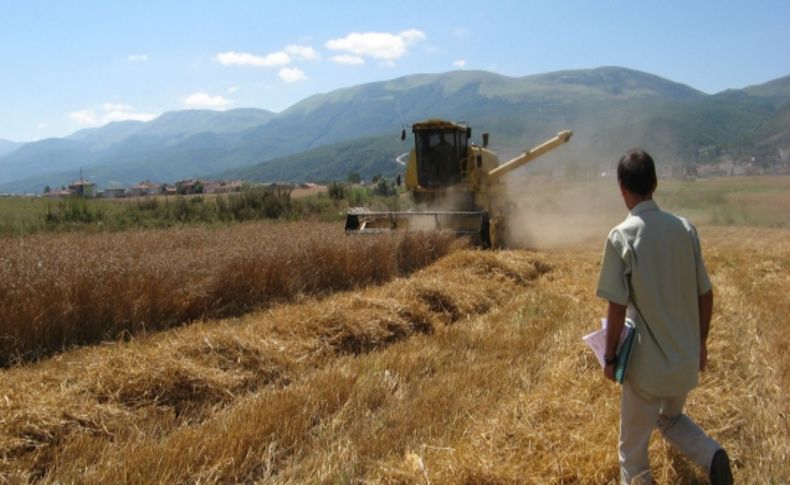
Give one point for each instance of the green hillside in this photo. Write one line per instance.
(368, 157)
(326, 136)
(677, 124)
(176, 145)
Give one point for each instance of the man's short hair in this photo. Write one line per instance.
(637, 172)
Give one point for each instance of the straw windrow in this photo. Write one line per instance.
(469, 371)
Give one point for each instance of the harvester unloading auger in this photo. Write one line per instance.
(456, 186)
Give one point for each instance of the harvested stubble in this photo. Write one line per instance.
(493, 386)
(133, 411)
(57, 291)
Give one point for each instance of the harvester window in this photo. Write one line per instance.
(439, 154)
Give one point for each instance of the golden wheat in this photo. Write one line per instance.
(58, 291)
(168, 384)
(469, 371)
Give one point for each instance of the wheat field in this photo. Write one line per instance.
(471, 370)
(455, 366)
(58, 291)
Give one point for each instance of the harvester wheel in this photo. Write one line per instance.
(495, 233)
(485, 231)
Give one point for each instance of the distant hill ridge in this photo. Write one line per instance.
(352, 129)
(8, 146)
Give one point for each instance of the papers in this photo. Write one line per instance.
(597, 341)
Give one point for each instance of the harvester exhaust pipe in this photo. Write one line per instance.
(485, 140)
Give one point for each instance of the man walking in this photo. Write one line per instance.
(653, 274)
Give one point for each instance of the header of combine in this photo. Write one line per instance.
(456, 185)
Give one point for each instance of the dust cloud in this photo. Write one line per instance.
(451, 202)
(550, 214)
(570, 197)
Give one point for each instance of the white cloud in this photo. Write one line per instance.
(460, 32)
(232, 58)
(126, 116)
(41, 125)
(116, 107)
(379, 45)
(412, 35)
(276, 59)
(292, 74)
(201, 99)
(459, 63)
(84, 117)
(347, 59)
(138, 58)
(302, 52)
(112, 112)
(123, 112)
(233, 89)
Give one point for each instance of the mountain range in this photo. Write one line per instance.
(7, 146)
(326, 136)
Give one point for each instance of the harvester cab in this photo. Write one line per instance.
(441, 153)
(456, 186)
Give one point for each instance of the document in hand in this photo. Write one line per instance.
(597, 342)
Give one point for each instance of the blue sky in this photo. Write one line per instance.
(68, 65)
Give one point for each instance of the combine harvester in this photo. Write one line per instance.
(456, 186)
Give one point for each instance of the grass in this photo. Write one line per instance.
(21, 216)
(26, 215)
(57, 291)
(728, 201)
(747, 201)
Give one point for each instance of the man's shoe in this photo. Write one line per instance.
(720, 473)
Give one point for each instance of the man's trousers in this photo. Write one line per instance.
(640, 413)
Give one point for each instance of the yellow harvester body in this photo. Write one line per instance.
(456, 185)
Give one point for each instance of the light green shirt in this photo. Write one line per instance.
(653, 264)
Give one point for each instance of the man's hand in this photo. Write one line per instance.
(608, 371)
(703, 357)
